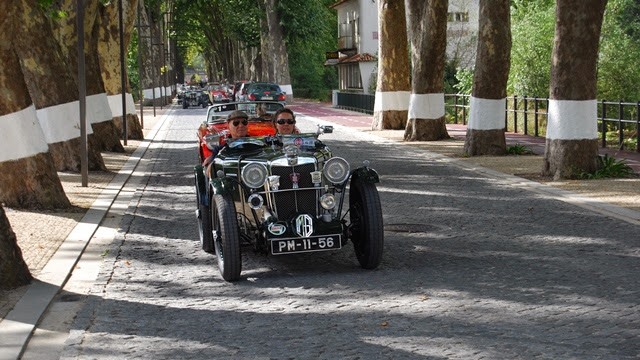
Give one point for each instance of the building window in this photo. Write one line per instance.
(458, 17)
(350, 76)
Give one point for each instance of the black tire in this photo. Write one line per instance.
(204, 224)
(226, 237)
(184, 105)
(367, 231)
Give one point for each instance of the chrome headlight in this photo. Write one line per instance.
(336, 170)
(255, 201)
(254, 175)
(328, 201)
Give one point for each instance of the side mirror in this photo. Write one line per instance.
(324, 129)
(212, 140)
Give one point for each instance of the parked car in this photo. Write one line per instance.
(218, 93)
(262, 91)
(213, 131)
(195, 98)
(285, 195)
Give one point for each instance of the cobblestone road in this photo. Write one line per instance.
(474, 268)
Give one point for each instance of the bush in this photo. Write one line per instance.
(609, 167)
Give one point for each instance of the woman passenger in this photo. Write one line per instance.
(285, 122)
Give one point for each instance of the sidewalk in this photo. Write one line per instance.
(52, 241)
(457, 131)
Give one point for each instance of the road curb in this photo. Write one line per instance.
(18, 326)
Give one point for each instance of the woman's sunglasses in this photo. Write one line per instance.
(237, 122)
(288, 121)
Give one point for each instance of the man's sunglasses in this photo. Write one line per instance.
(237, 122)
(288, 121)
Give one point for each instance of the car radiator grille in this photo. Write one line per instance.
(289, 203)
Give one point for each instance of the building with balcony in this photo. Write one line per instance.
(355, 56)
(357, 44)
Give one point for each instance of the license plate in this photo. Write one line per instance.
(267, 98)
(299, 245)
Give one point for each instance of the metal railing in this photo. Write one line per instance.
(356, 102)
(618, 122)
(528, 116)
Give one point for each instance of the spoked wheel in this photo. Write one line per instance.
(367, 229)
(226, 237)
(204, 223)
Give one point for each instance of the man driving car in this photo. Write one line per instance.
(237, 123)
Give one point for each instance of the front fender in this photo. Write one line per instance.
(365, 174)
(222, 186)
(201, 185)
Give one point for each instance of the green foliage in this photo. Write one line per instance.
(132, 67)
(533, 24)
(532, 36)
(464, 83)
(609, 167)
(626, 14)
(518, 149)
(310, 28)
(307, 20)
(450, 79)
(618, 62)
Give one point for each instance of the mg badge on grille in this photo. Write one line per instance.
(304, 225)
(295, 178)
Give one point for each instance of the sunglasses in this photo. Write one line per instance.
(237, 122)
(288, 121)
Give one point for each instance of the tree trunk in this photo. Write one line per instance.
(109, 59)
(393, 86)
(572, 134)
(428, 34)
(53, 89)
(98, 112)
(266, 47)
(485, 131)
(27, 174)
(279, 57)
(149, 81)
(14, 272)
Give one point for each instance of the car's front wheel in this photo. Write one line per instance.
(226, 237)
(367, 229)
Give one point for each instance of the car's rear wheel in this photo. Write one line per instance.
(204, 223)
(226, 237)
(367, 229)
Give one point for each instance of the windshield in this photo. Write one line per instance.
(305, 141)
(218, 113)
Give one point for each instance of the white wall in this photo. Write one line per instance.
(368, 27)
(366, 68)
(461, 36)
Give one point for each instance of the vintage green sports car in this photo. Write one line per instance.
(286, 195)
